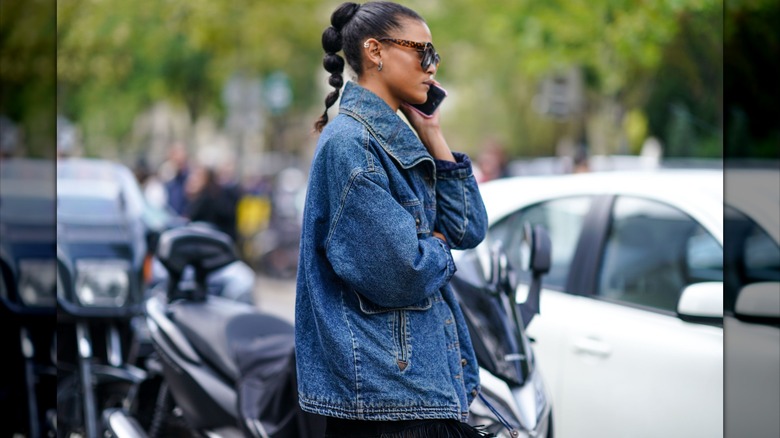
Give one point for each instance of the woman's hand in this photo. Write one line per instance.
(429, 131)
(439, 236)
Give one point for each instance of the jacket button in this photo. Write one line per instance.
(474, 393)
(463, 362)
(417, 221)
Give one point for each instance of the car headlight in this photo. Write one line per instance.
(102, 283)
(38, 282)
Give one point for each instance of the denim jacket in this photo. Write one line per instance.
(378, 331)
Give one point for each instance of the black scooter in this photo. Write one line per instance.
(221, 368)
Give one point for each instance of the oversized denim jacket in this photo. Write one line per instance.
(378, 332)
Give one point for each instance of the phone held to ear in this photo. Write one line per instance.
(436, 95)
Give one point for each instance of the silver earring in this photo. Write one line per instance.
(379, 67)
(365, 44)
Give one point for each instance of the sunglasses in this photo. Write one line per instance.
(428, 53)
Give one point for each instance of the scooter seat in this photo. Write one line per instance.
(216, 326)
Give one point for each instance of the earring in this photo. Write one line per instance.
(365, 44)
(379, 67)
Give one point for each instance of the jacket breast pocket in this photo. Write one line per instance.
(416, 210)
(399, 325)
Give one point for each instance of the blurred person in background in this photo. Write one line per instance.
(492, 161)
(210, 202)
(153, 188)
(580, 162)
(175, 172)
(372, 249)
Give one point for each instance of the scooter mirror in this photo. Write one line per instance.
(536, 249)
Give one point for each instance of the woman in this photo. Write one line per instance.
(382, 347)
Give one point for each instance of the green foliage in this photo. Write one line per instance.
(115, 58)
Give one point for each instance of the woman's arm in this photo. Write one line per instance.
(373, 246)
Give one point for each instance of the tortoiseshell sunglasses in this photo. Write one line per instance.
(429, 55)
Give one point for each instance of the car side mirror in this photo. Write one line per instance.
(700, 302)
(759, 302)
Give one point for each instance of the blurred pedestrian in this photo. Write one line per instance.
(382, 347)
(210, 202)
(151, 185)
(492, 161)
(175, 186)
(581, 162)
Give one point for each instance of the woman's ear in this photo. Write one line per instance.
(372, 51)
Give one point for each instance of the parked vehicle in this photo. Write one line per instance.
(631, 333)
(514, 401)
(226, 369)
(101, 256)
(27, 298)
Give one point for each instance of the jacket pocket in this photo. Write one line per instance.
(401, 337)
(371, 308)
(398, 319)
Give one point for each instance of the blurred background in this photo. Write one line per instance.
(241, 81)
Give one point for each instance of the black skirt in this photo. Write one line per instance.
(339, 428)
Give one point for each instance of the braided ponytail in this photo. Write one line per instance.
(333, 63)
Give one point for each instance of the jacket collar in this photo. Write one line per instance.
(392, 133)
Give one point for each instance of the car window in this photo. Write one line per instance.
(563, 219)
(652, 252)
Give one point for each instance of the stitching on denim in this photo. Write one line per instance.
(374, 412)
(342, 201)
(367, 147)
(355, 354)
(465, 213)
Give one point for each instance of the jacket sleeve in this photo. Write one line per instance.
(373, 246)
(460, 213)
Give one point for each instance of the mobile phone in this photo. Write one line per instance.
(436, 95)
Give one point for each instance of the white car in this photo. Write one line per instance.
(630, 335)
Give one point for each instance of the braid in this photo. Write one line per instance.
(333, 63)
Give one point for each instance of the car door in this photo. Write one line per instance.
(629, 366)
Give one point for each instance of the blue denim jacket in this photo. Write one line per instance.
(378, 331)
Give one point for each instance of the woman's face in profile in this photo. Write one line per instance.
(402, 69)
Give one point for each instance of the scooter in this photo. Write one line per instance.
(229, 370)
(221, 367)
(514, 401)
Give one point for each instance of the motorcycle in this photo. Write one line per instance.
(229, 370)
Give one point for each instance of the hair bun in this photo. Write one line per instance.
(343, 14)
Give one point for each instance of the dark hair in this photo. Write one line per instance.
(351, 25)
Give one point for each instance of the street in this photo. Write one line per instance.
(276, 296)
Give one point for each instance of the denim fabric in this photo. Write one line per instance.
(379, 334)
